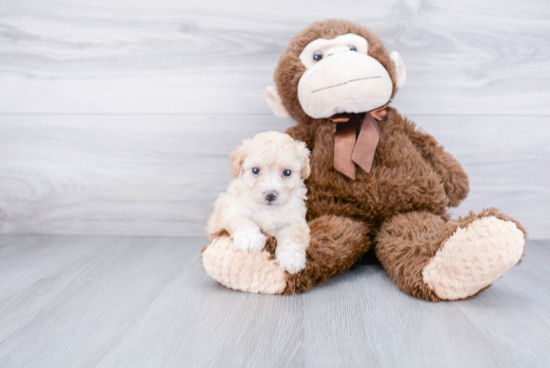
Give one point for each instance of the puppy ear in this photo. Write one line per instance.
(303, 155)
(237, 159)
(274, 101)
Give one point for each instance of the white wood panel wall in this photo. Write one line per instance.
(117, 117)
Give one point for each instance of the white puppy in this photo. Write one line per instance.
(268, 193)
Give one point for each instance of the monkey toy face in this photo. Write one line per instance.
(334, 67)
(335, 79)
(341, 77)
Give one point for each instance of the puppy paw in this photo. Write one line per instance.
(246, 240)
(293, 261)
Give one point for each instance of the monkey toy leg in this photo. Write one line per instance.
(336, 244)
(434, 259)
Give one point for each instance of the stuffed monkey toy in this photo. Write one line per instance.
(376, 181)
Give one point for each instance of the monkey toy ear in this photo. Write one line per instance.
(275, 103)
(399, 69)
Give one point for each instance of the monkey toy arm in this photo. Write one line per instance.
(453, 176)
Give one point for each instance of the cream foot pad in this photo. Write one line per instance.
(474, 257)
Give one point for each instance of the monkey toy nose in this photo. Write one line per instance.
(271, 196)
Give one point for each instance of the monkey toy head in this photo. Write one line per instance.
(334, 67)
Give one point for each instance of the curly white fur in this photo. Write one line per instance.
(268, 193)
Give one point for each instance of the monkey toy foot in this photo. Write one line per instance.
(335, 245)
(474, 257)
(433, 258)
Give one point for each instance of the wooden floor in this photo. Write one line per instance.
(107, 301)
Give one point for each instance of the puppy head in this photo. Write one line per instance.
(272, 166)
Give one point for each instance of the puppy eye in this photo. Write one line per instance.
(255, 171)
(352, 48)
(287, 173)
(317, 55)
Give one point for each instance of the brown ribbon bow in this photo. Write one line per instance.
(348, 150)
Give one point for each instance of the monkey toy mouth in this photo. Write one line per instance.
(345, 83)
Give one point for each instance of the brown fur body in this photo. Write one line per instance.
(401, 203)
(410, 174)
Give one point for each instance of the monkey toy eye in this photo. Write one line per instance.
(317, 55)
(255, 171)
(287, 173)
(352, 48)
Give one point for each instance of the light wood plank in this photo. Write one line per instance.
(34, 276)
(196, 322)
(360, 318)
(503, 327)
(73, 316)
(513, 315)
(216, 56)
(19, 270)
(146, 302)
(159, 175)
(14, 243)
(150, 174)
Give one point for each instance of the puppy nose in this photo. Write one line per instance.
(271, 196)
